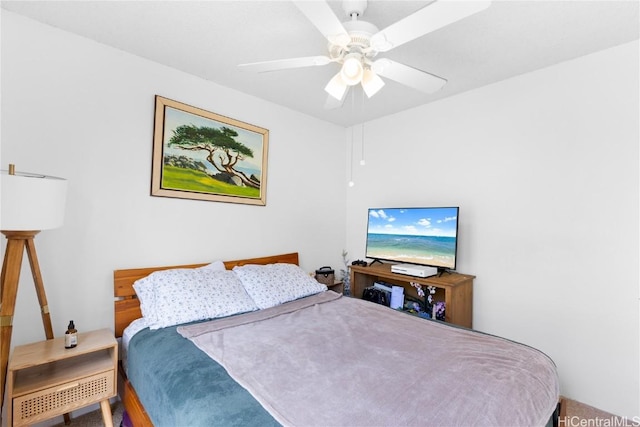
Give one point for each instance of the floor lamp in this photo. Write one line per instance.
(29, 203)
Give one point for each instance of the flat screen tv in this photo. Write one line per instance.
(424, 236)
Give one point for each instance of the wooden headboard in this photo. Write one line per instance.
(126, 304)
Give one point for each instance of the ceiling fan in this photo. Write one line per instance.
(354, 45)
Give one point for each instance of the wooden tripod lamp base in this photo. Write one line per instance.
(17, 242)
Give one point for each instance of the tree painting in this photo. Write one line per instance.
(201, 155)
(223, 151)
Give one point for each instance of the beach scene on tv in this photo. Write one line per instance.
(425, 236)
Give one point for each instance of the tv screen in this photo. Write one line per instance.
(424, 236)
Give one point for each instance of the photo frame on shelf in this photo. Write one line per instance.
(201, 155)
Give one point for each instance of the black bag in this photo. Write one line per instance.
(376, 295)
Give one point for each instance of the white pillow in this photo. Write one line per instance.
(144, 288)
(172, 297)
(273, 284)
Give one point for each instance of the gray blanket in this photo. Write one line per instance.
(331, 361)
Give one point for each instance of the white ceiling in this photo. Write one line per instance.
(210, 38)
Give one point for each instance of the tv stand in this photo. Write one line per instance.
(456, 290)
(376, 260)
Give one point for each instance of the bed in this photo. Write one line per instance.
(318, 359)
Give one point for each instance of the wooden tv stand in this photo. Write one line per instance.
(456, 290)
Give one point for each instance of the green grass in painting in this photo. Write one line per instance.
(175, 178)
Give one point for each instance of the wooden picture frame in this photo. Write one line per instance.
(202, 155)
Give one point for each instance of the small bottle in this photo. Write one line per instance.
(71, 336)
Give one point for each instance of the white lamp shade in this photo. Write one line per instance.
(352, 70)
(336, 87)
(371, 83)
(31, 202)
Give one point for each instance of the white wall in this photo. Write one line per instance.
(544, 168)
(83, 111)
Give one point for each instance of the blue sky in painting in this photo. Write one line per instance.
(174, 118)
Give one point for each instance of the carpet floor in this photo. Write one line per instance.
(94, 418)
(579, 414)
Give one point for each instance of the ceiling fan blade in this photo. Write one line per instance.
(430, 18)
(408, 76)
(283, 64)
(321, 15)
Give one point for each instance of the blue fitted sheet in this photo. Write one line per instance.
(179, 385)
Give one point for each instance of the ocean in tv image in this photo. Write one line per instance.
(414, 235)
(431, 250)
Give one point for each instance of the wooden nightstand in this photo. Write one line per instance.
(45, 380)
(337, 286)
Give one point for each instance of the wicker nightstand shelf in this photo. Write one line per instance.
(45, 380)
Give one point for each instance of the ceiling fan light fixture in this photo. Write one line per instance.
(336, 87)
(380, 43)
(371, 83)
(352, 70)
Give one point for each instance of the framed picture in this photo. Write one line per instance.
(205, 156)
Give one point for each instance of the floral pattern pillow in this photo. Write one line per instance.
(172, 297)
(273, 284)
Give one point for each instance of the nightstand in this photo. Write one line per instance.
(45, 380)
(337, 286)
